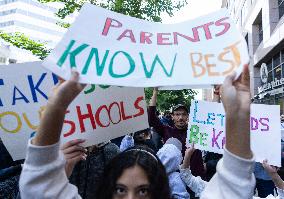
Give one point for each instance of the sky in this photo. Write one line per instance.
(195, 8)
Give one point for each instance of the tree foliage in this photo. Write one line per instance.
(143, 9)
(167, 99)
(22, 41)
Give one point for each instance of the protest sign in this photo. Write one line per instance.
(98, 114)
(282, 131)
(207, 129)
(110, 48)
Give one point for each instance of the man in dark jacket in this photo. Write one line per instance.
(178, 130)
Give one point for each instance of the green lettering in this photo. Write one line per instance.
(90, 90)
(203, 137)
(194, 130)
(104, 86)
(157, 59)
(93, 88)
(131, 64)
(72, 54)
(99, 67)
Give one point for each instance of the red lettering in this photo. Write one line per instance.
(127, 33)
(145, 37)
(97, 116)
(194, 39)
(161, 39)
(109, 24)
(226, 25)
(109, 112)
(82, 117)
(207, 30)
(124, 117)
(72, 124)
(138, 107)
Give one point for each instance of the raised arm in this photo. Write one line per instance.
(52, 121)
(195, 183)
(43, 175)
(236, 100)
(154, 121)
(234, 177)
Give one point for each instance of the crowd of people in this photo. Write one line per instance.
(150, 164)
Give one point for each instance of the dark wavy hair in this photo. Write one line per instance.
(136, 156)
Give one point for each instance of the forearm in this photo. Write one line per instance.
(277, 181)
(69, 169)
(50, 127)
(43, 174)
(153, 100)
(196, 184)
(238, 134)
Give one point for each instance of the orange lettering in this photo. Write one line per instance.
(210, 66)
(197, 63)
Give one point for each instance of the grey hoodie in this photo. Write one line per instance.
(171, 158)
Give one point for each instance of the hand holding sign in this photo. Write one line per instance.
(73, 153)
(66, 91)
(236, 100)
(236, 93)
(51, 124)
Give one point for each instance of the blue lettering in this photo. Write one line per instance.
(210, 119)
(1, 83)
(55, 79)
(36, 88)
(222, 116)
(194, 114)
(18, 98)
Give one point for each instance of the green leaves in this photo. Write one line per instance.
(143, 9)
(167, 99)
(21, 41)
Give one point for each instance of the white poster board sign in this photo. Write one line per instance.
(207, 129)
(115, 49)
(98, 114)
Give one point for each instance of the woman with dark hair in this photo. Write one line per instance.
(135, 173)
(135, 162)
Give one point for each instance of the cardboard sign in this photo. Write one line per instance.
(207, 129)
(98, 114)
(110, 48)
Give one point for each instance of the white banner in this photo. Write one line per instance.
(98, 114)
(110, 48)
(207, 129)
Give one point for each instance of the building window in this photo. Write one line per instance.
(277, 72)
(247, 39)
(275, 67)
(2, 60)
(8, 23)
(257, 31)
(281, 8)
(276, 60)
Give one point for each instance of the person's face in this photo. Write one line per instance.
(180, 118)
(132, 184)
